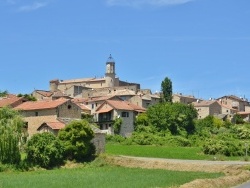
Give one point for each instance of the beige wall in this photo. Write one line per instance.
(35, 122)
(204, 111)
(69, 110)
(183, 99)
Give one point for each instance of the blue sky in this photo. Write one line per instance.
(203, 46)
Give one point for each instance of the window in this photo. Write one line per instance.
(69, 106)
(92, 106)
(36, 113)
(125, 114)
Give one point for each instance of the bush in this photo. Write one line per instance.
(76, 138)
(115, 138)
(44, 150)
(227, 148)
(178, 141)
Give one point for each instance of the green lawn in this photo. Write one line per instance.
(194, 153)
(106, 176)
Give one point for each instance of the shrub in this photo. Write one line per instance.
(227, 148)
(115, 138)
(45, 150)
(76, 138)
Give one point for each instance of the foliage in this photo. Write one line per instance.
(27, 97)
(166, 88)
(76, 138)
(87, 117)
(117, 125)
(176, 118)
(241, 131)
(11, 134)
(115, 138)
(3, 93)
(224, 147)
(238, 119)
(45, 150)
(141, 120)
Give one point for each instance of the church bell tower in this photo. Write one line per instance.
(110, 72)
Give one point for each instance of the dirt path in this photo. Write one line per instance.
(235, 171)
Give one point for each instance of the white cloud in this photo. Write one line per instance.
(32, 7)
(136, 3)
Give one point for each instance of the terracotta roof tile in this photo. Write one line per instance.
(204, 103)
(12, 101)
(53, 125)
(40, 105)
(45, 93)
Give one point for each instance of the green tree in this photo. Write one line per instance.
(238, 119)
(117, 125)
(45, 150)
(166, 89)
(27, 97)
(174, 117)
(76, 138)
(141, 119)
(11, 134)
(3, 93)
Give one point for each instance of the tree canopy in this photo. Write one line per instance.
(174, 117)
(11, 134)
(76, 138)
(166, 89)
(45, 150)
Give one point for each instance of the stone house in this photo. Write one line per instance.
(206, 108)
(54, 127)
(109, 110)
(42, 95)
(36, 113)
(185, 99)
(234, 102)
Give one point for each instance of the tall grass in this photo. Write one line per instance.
(192, 153)
(106, 176)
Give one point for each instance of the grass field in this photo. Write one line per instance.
(106, 176)
(193, 153)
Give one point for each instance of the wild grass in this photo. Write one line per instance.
(100, 176)
(191, 153)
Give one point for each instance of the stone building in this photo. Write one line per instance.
(185, 99)
(237, 103)
(206, 108)
(36, 113)
(75, 87)
(109, 110)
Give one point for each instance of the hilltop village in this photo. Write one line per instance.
(106, 99)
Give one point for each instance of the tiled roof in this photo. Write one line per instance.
(53, 125)
(227, 107)
(124, 92)
(40, 105)
(44, 93)
(81, 80)
(204, 103)
(118, 105)
(233, 97)
(10, 101)
(79, 100)
(95, 99)
(243, 113)
(83, 106)
(136, 107)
